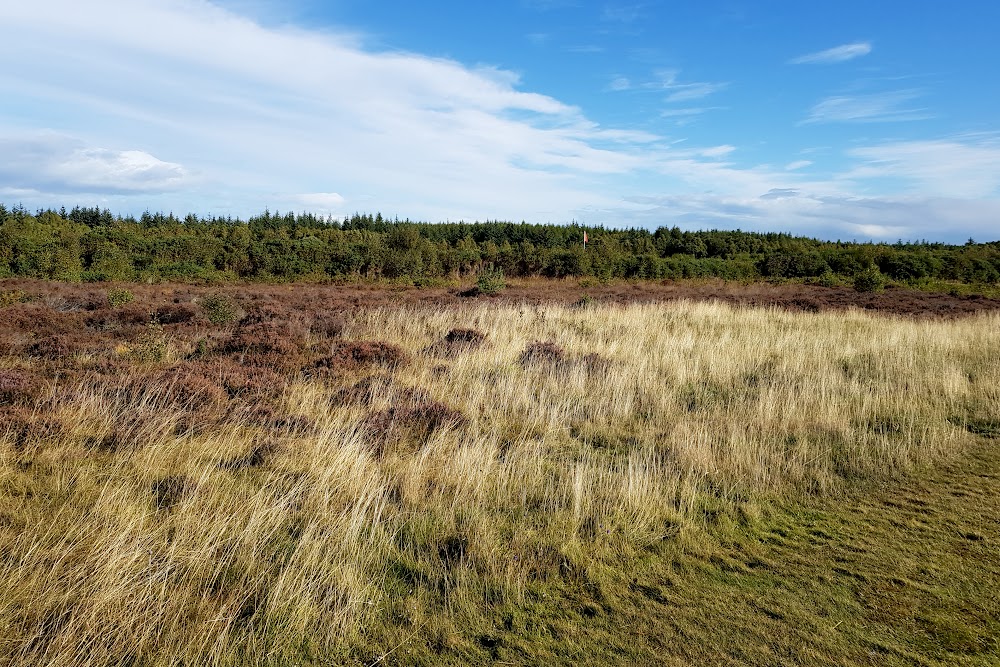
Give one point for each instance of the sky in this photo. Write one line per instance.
(836, 120)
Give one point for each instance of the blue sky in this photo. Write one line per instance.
(851, 120)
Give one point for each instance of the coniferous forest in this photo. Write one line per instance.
(90, 244)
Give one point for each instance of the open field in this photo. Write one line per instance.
(325, 475)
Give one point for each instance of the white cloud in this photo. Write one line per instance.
(945, 168)
(837, 54)
(62, 164)
(620, 83)
(798, 164)
(326, 203)
(717, 151)
(889, 106)
(693, 91)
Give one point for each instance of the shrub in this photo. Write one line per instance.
(10, 297)
(366, 390)
(350, 355)
(417, 421)
(52, 348)
(119, 297)
(490, 282)
(220, 309)
(458, 341)
(255, 458)
(175, 313)
(828, 279)
(152, 346)
(542, 353)
(27, 430)
(168, 491)
(331, 325)
(869, 280)
(18, 387)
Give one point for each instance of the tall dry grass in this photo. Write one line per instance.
(147, 532)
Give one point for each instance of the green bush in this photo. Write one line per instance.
(10, 297)
(119, 297)
(220, 309)
(153, 346)
(828, 279)
(869, 280)
(491, 282)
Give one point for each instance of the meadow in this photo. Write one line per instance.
(238, 476)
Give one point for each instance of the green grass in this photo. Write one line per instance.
(905, 574)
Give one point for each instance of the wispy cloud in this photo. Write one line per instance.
(686, 112)
(888, 106)
(798, 164)
(668, 81)
(620, 83)
(623, 13)
(965, 167)
(693, 91)
(837, 54)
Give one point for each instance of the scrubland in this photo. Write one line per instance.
(411, 483)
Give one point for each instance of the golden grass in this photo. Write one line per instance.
(343, 541)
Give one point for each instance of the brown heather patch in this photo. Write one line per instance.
(175, 313)
(269, 331)
(131, 315)
(374, 387)
(268, 418)
(411, 424)
(37, 319)
(169, 491)
(54, 348)
(26, 429)
(258, 456)
(458, 341)
(348, 356)
(184, 386)
(331, 325)
(18, 387)
(539, 353)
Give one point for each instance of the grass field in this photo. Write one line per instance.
(522, 483)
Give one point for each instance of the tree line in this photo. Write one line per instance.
(91, 244)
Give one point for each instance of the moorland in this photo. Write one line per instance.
(621, 473)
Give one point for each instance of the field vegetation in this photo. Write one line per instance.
(249, 477)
